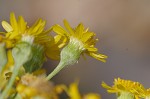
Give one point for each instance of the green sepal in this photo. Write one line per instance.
(125, 95)
(70, 54)
(37, 60)
(22, 53)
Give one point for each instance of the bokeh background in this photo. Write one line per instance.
(123, 29)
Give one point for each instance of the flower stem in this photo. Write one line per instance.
(18, 97)
(56, 70)
(10, 83)
(69, 55)
(22, 53)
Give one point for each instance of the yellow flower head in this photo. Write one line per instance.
(80, 37)
(125, 89)
(122, 85)
(32, 86)
(18, 30)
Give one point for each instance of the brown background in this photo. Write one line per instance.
(123, 27)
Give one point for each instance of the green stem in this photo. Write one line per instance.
(21, 53)
(18, 97)
(2, 68)
(56, 70)
(10, 83)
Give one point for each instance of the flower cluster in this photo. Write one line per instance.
(24, 49)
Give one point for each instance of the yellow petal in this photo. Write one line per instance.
(73, 91)
(100, 57)
(9, 44)
(52, 52)
(35, 27)
(22, 24)
(112, 90)
(61, 41)
(60, 88)
(86, 36)
(57, 38)
(105, 85)
(68, 27)
(13, 22)
(39, 28)
(10, 59)
(108, 88)
(59, 30)
(92, 96)
(79, 30)
(7, 26)
(92, 49)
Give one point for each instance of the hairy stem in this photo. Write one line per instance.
(10, 83)
(55, 71)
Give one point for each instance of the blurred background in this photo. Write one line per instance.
(123, 29)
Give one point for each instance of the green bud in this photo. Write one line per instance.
(3, 56)
(22, 53)
(37, 60)
(70, 55)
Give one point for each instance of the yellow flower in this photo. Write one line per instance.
(73, 92)
(79, 41)
(80, 37)
(31, 86)
(17, 29)
(125, 87)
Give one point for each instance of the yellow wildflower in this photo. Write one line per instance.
(73, 92)
(31, 86)
(81, 37)
(80, 41)
(124, 87)
(17, 29)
